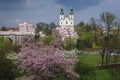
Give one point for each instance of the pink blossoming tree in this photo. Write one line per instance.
(44, 62)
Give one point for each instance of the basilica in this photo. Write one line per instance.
(66, 25)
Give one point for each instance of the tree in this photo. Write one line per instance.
(44, 62)
(108, 19)
(4, 28)
(8, 69)
(46, 30)
(47, 39)
(81, 24)
(69, 43)
(5, 46)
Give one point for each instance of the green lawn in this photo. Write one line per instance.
(93, 59)
(102, 74)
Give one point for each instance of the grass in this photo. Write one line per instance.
(93, 59)
(102, 74)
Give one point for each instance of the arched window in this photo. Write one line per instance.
(66, 22)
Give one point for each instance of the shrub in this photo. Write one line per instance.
(69, 43)
(44, 62)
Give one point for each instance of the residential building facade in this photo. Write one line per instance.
(25, 30)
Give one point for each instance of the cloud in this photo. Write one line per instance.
(77, 4)
(11, 5)
(111, 6)
(34, 11)
(29, 3)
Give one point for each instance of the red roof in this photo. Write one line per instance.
(14, 29)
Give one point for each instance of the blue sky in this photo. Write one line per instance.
(33, 11)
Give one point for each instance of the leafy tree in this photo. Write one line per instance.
(4, 28)
(47, 39)
(108, 19)
(45, 30)
(69, 43)
(86, 39)
(81, 24)
(8, 69)
(5, 46)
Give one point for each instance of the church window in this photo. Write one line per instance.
(66, 22)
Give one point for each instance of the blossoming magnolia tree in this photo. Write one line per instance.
(44, 62)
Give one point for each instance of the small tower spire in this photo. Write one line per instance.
(61, 11)
(71, 11)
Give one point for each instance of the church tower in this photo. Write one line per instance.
(61, 17)
(71, 17)
(66, 21)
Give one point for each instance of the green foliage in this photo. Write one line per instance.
(81, 24)
(16, 48)
(85, 40)
(4, 28)
(5, 46)
(108, 20)
(102, 74)
(47, 39)
(84, 70)
(69, 43)
(90, 60)
(8, 69)
(45, 30)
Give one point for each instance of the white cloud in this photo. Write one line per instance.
(94, 11)
(29, 3)
(48, 11)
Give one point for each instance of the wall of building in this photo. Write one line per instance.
(18, 37)
(66, 21)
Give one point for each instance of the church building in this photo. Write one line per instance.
(66, 21)
(66, 25)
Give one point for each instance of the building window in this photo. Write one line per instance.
(61, 22)
(66, 22)
(71, 22)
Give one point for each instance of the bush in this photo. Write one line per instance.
(84, 70)
(47, 39)
(44, 62)
(69, 43)
(8, 69)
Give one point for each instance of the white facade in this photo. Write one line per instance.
(25, 30)
(24, 27)
(66, 21)
(66, 25)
